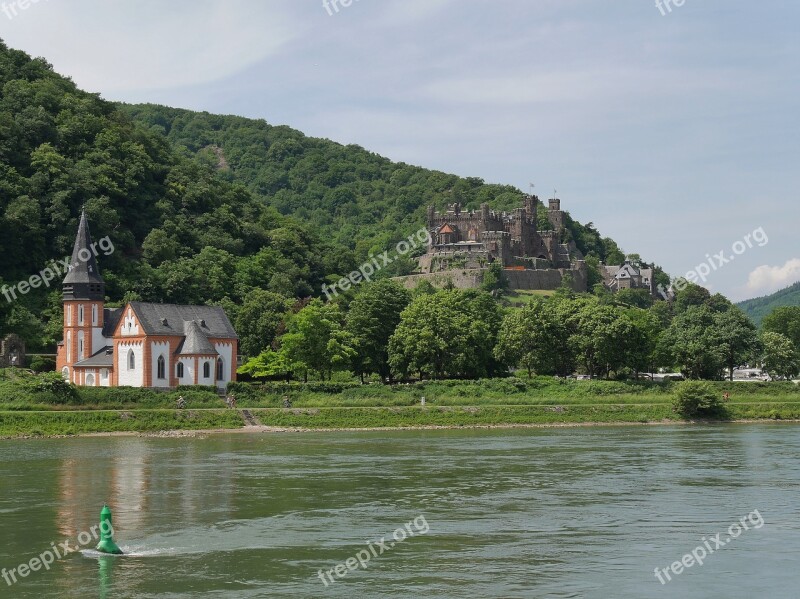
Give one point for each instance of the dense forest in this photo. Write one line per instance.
(757, 309)
(200, 208)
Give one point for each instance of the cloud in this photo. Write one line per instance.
(768, 279)
(117, 47)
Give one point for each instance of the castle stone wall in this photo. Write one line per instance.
(517, 279)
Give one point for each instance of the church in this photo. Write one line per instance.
(140, 344)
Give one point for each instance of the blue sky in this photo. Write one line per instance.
(677, 134)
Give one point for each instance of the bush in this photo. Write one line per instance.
(255, 389)
(53, 386)
(42, 364)
(696, 398)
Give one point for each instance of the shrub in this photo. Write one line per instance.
(696, 398)
(52, 384)
(42, 364)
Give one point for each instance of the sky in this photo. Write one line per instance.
(673, 129)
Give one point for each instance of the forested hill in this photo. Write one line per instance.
(200, 208)
(759, 307)
(358, 198)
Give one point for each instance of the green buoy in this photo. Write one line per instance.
(107, 544)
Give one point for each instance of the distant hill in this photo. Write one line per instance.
(759, 307)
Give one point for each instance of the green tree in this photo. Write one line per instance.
(599, 340)
(315, 340)
(779, 356)
(494, 279)
(736, 338)
(269, 364)
(372, 318)
(258, 320)
(639, 298)
(690, 295)
(786, 321)
(690, 343)
(449, 333)
(533, 338)
(641, 341)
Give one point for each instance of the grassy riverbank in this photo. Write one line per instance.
(30, 409)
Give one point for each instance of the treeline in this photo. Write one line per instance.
(387, 331)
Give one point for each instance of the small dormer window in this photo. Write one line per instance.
(164, 322)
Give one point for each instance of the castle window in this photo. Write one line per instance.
(206, 370)
(179, 370)
(161, 368)
(80, 315)
(69, 315)
(65, 373)
(94, 315)
(69, 347)
(220, 370)
(131, 360)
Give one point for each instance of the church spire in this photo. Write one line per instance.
(83, 281)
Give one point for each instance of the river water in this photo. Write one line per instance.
(560, 512)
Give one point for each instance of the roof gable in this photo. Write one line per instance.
(169, 319)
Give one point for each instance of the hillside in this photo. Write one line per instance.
(200, 208)
(355, 197)
(759, 307)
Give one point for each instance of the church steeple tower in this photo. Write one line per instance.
(83, 281)
(84, 298)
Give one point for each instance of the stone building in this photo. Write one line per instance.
(628, 276)
(12, 352)
(464, 243)
(140, 344)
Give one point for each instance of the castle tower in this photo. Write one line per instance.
(555, 215)
(84, 296)
(531, 203)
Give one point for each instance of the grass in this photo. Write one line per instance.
(459, 416)
(15, 424)
(522, 297)
(510, 401)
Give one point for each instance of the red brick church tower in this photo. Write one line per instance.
(84, 297)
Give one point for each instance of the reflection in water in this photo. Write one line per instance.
(106, 569)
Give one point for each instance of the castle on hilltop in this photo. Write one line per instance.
(464, 244)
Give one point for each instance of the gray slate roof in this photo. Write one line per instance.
(196, 342)
(104, 358)
(169, 319)
(111, 317)
(81, 271)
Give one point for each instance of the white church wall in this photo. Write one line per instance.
(160, 349)
(130, 377)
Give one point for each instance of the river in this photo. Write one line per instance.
(557, 512)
